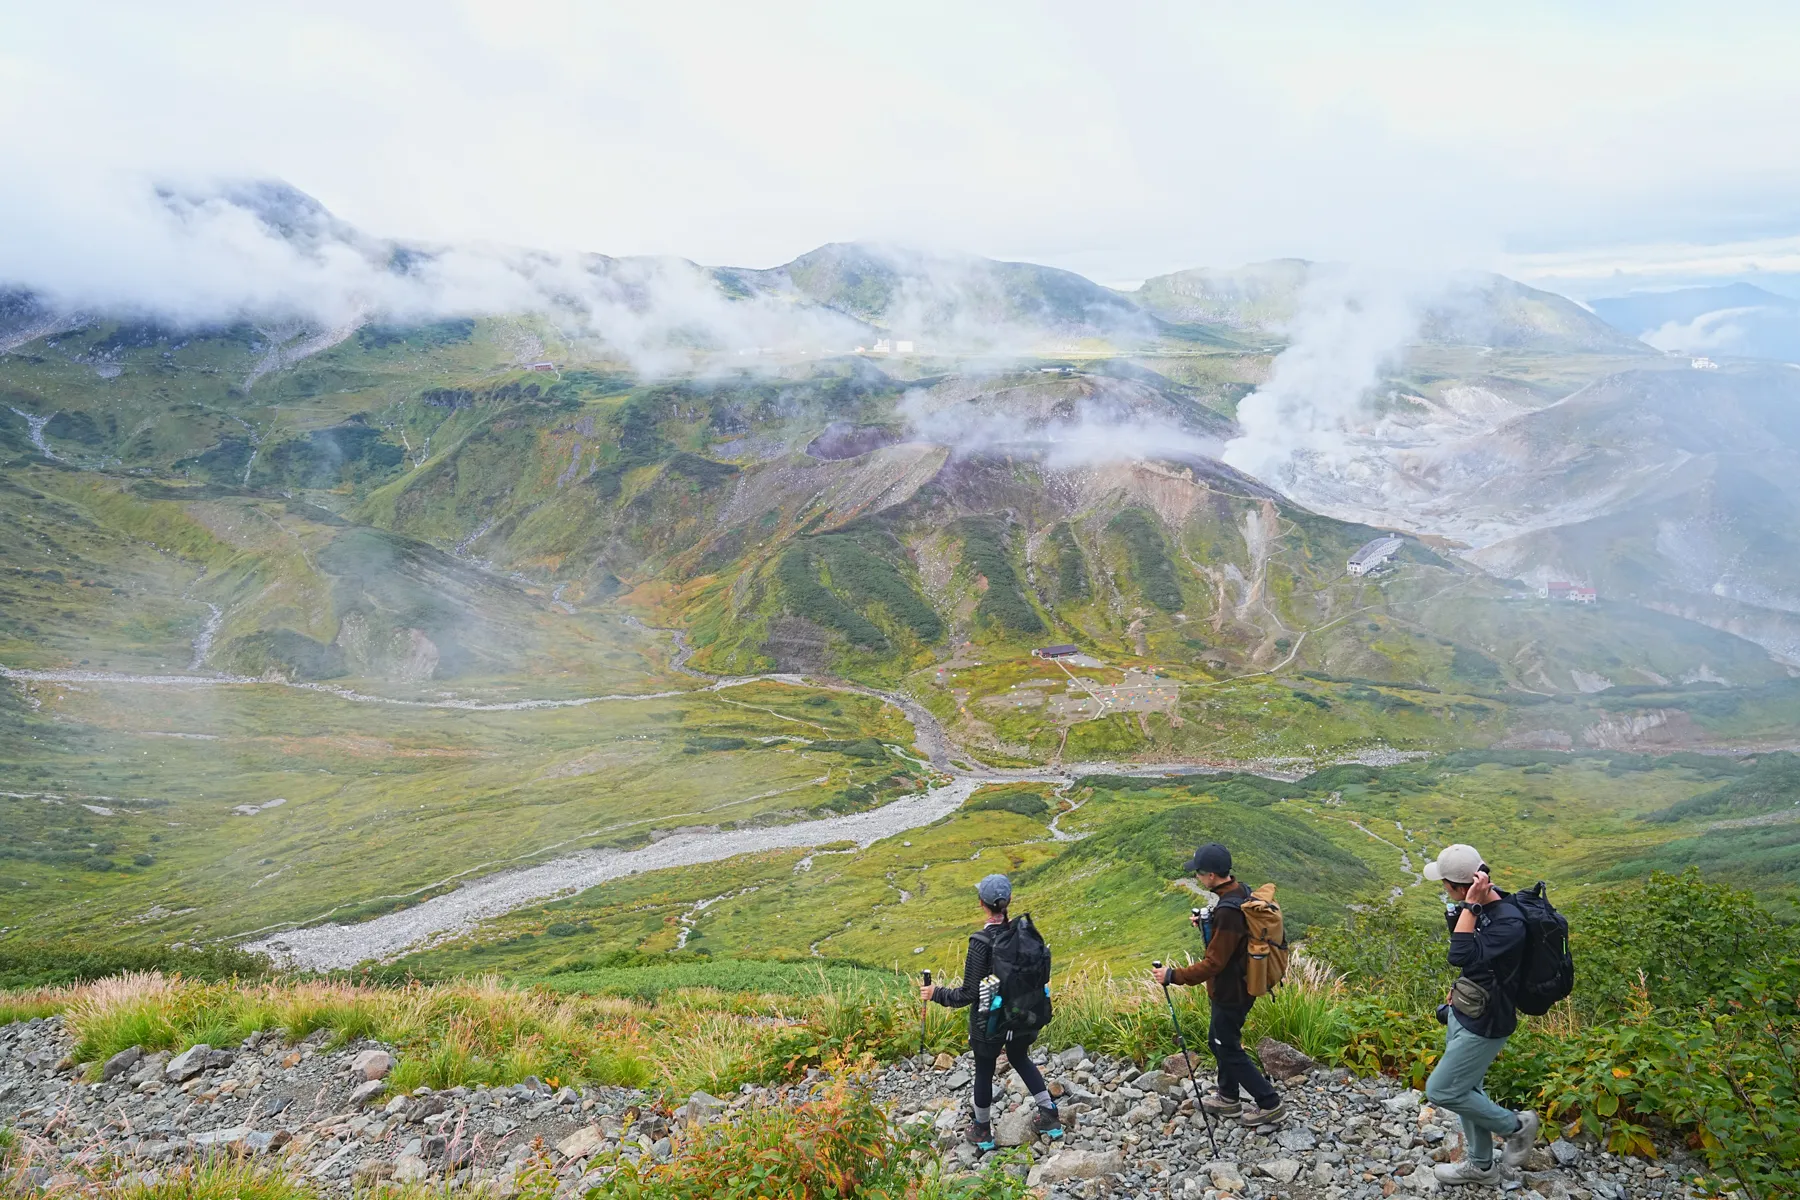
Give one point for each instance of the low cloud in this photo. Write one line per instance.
(1116, 426)
(268, 253)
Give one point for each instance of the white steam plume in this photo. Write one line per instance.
(1350, 326)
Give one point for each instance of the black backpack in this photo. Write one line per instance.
(1020, 960)
(1547, 969)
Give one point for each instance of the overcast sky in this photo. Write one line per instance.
(1118, 140)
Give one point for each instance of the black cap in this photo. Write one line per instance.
(1212, 858)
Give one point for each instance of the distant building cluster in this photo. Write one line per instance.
(1705, 364)
(1574, 593)
(542, 366)
(887, 346)
(1373, 554)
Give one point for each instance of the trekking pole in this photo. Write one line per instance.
(1188, 1058)
(923, 1005)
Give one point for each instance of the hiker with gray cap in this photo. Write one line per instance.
(1006, 988)
(1488, 942)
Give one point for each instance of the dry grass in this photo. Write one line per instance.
(489, 1031)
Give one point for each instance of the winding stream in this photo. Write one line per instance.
(323, 947)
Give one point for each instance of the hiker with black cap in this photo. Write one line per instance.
(1488, 941)
(1223, 970)
(1005, 986)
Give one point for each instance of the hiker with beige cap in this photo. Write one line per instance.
(1488, 936)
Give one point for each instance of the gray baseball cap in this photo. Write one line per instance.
(995, 891)
(1457, 864)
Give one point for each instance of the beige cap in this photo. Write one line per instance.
(1457, 864)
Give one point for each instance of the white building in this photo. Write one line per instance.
(1705, 364)
(883, 346)
(902, 347)
(1373, 555)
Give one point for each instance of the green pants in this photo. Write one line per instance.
(1455, 1084)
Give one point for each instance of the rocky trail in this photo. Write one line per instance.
(330, 1116)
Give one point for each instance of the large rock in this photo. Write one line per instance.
(1076, 1164)
(958, 1079)
(1424, 1181)
(943, 1062)
(150, 1069)
(1566, 1153)
(410, 1168)
(120, 1063)
(1282, 1061)
(371, 1064)
(1156, 1081)
(1405, 1103)
(217, 1137)
(1147, 1111)
(582, 1143)
(264, 1141)
(1282, 1170)
(188, 1063)
(1225, 1176)
(366, 1091)
(1296, 1138)
(1014, 1129)
(701, 1107)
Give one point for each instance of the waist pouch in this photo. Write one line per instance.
(1469, 998)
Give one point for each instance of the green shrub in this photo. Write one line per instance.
(1150, 562)
(836, 1144)
(1071, 564)
(35, 963)
(870, 578)
(1003, 605)
(1024, 803)
(807, 597)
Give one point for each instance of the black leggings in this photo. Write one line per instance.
(987, 1056)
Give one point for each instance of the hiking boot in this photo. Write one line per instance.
(1048, 1122)
(1467, 1172)
(980, 1135)
(1254, 1115)
(1519, 1144)
(1219, 1106)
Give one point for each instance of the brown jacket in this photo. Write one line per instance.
(1222, 970)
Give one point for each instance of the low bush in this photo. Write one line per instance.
(836, 1144)
(1022, 802)
(39, 963)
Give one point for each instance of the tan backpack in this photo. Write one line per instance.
(1267, 962)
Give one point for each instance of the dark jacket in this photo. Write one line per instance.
(1227, 954)
(1492, 957)
(978, 966)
